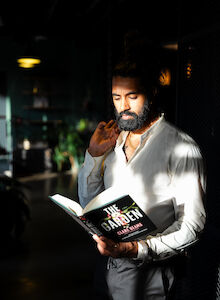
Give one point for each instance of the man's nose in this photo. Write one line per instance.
(124, 105)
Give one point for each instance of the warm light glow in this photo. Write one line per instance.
(189, 70)
(165, 77)
(171, 46)
(28, 62)
(35, 90)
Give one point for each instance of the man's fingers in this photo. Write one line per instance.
(101, 245)
(115, 125)
(101, 125)
(100, 240)
(103, 139)
(110, 124)
(105, 244)
(97, 238)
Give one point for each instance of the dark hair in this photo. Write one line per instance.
(140, 59)
(147, 74)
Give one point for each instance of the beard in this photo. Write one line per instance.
(132, 124)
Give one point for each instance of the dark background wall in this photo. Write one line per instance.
(198, 114)
(79, 46)
(68, 77)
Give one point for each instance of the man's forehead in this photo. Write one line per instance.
(125, 83)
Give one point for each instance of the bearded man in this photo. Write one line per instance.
(163, 169)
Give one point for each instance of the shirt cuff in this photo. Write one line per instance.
(142, 250)
(93, 163)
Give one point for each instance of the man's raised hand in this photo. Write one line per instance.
(104, 138)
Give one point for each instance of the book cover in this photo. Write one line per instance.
(120, 219)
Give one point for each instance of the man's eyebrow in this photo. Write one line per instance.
(132, 93)
(129, 93)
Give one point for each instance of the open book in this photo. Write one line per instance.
(115, 216)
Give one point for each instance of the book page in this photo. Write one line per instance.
(107, 196)
(68, 204)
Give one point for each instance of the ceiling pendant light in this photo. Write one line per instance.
(28, 62)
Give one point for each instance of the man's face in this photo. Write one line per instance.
(131, 105)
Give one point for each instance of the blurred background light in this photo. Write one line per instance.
(26, 144)
(28, 62)
(165, 77)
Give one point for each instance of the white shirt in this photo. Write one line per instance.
(165, 176)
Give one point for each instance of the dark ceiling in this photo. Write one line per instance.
(96, 20)
(89, 19)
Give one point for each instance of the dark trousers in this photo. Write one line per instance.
(122, 278)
